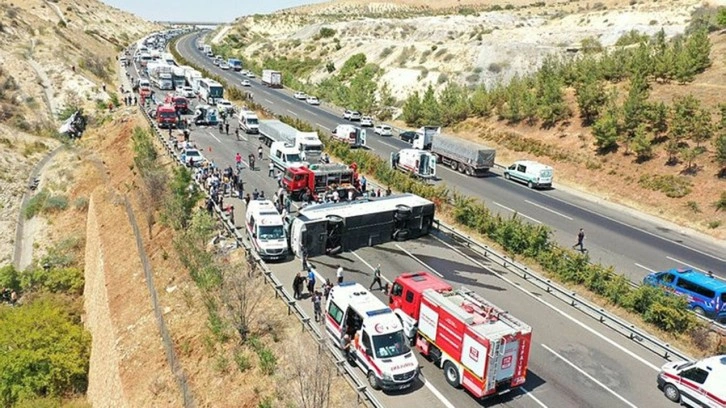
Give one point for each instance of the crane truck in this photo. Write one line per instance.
(480, 347)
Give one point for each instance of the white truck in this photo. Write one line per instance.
(248, 122)
(695, 383)
(353, 135)
(309, 144)
(266, 230)
(178, 76)
(283, 155)
(192, 77)
(420, 163)
(377, 342)
(271, 78)
(160, 75)
(207, 50)
(470, 158)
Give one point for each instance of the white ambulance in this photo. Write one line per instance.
(378, 345)
(266, 229)
(695, 383)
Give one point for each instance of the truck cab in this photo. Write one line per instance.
(425, 136)
(404, 297)
(353, 135)
(310, 146)
(166, 116)
(266, 230)
(283, 156)
(378, 345)
(179, 102)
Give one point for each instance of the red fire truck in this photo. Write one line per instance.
(479, 346)
(166, 116)
(320, 178)
(179, 102)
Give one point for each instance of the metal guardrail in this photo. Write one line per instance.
(362, 390)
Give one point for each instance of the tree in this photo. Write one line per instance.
(551, 101)
(385, 102)
(605, 130)
(683, 114)
(662, 57)
(453, 102)
(242, 295)
(657, 114)
(689, 155)
(480, 102)
(351, 65)
(412, 110)
(591, 98)
(641, 143)
(46, 350)
(182, 199)
(430, 109)
(634, 107)
(311, 377)
(719, 147)
(721, 17)
(698, 48)
(702, 127)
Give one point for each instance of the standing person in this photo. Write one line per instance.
(226, 127)
(388, 191)
(316, 299)
(580, 240)
(287, 203)
(259, 152)
(376, 278)
(252, 161)
(363, 184)
(297, 285)
(339, 274)
(311, 279)
(304, 258)
(236, 133)
(271, 170)
(238, 160)
(326, 288)
(255, 194)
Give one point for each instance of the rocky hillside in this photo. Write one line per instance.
(54, 55)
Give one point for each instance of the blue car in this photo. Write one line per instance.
(706, 294)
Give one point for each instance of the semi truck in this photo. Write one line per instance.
(480, 347)
(470, 158)
(193, 77)
(378, 345)
(271, 78)
(318, 179)
(345, 226)
(235, 64)
(308, 143)
(160, 75)
(178, 77)
(419, 163)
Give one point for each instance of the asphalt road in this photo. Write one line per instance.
(634, 244)
(574, 362)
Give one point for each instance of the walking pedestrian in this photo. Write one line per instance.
(376, 278)
(339, 274)
(247, 198)
(580, 240)
(271, 169)
(236, 133)
(311, 279)
(317, 307)
(259, 152)
(238, 160)
(251, 158)
(297, 284)
(287, 203)
(226, 127)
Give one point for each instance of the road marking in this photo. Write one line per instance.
(292, 113)
(548, 209)
(551, 306)
(593, 379)
(541, 404)
(269, 101)
(691, 266)
(370, 266)
(438, 394)
(419, 261)
(215, 137)
(321, 126)
(644, 267)
(516, 212)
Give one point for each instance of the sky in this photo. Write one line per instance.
(202, 10)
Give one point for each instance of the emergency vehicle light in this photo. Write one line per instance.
(378, 312)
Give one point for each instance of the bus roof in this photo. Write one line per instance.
(362, 206)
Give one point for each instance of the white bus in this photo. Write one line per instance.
(345, 226)
(210, 90)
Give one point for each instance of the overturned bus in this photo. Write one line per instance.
(335, 227)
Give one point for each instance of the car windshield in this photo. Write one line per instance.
(167, 114)
(294, 157)
(313, 148)
(390, 345)
(252, 121)
(192, 153)
(271, 232)
(546, 173)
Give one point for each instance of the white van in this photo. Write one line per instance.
(532, 173)
(695, 383)
(266, 230)
(283, 155)
(248, 121)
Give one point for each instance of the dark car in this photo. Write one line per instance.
(407, 136)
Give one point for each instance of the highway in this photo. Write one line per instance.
(634, 244)
(575, 362)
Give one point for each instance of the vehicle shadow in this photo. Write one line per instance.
(533, 381)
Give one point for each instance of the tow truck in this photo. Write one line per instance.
(480, 347)
(319, 178)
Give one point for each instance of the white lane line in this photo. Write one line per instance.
(215, 137)
(516, 212)
(269, 101)
(419, 261)
(321, 126)
(438, 395)
(541, 404)
(691, 266)
(551, 306)
(644, 267)
(292, 113)
(370, 266)
(548, 209)
(591, 378)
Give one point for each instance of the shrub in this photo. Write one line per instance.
(386, 52)
(54, 204)
(9, 277)
(36, 204)
(68, 280)
(671, 186)
(326, 32)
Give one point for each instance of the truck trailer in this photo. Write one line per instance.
(308, 143)
(271, 78)
(345, 226)
(470, 158)
(160, 75)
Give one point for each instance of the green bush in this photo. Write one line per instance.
(54, 204)
(9, 278)
(68, 280)
(326, 32)
(35, 204)
(672, 186)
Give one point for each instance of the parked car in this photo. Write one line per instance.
(383, 130)
(355, 115)
(366, 121)
(215, 61)
(246, 82)
(407, 136)
(224, 65)
(312, 100)
(225, 105)
(346, 114)
(192, 154)
(300, 95)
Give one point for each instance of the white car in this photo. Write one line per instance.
(186, 91)
(192, 154)
(223, 104)
(246, 82)
(346, 114)
(355, 115)
(300, 95)
(383, 130)
(250, 74)
(311, 100)
(215, 61)
(244, 72)
(366, 121)
(224, 65)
